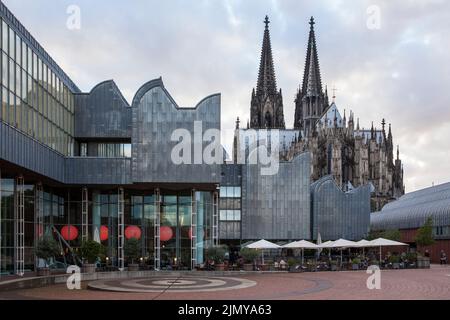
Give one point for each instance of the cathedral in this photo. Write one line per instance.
(338, 146)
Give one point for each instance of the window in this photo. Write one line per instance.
(5, 36)
(114, 150)
(230, 192)
(83, 149)
(230, 215)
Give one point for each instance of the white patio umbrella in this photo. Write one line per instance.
(326, 245)
(302, 244)
(97, 235)
(319, 242)
(364, 244)
(263, 244)
(341, 244)
(381, 242)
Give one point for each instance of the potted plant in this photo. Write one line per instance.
(217, 254)
(90, 252)
(249, 256)
(291, 263)
(395, 261)
(334, 265)
(424, 238)
(46, 248)
(132, 251)
(411, 260)
(355, 263)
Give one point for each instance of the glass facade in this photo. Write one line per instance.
(230, 203)
(61, 217)
(111, 150)
(34, 99)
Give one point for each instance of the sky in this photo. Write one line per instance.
(386, 58)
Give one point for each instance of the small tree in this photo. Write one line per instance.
(132, 249)
(91, 250)
(47, 248)
(393, 235)
(424, 235)
(216, 253)
(249, 255)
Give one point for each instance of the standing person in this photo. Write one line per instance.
(427, 253)
(443, 257)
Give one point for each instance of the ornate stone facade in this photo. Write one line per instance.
(338, 146)
(267, 103)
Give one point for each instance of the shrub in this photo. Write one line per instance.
(356, 261)
(47, 248)
(394, 259)
(411, 256)
(291, 262)
(424, 235)
(132, 249)
(216, 253)
(91, 250)
(249, 255)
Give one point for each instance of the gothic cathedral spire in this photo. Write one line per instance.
(267, 103)
(311, 101)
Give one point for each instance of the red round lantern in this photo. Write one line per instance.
(69, 233)
(133, 232)
(40, 230)
(104, 233)
(165, 233)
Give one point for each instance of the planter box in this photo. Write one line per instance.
(220, 267)
(423, 263)
(334, 267)
(89, 268)
(248, 267)
(43, 272)
(264, 267)
(355, 266)
(396, 265)
(133, 267)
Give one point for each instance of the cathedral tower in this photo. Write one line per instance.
(267, 103)
(311, 101)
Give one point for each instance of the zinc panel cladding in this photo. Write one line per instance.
(155, 117)
(277, 207)
(19, 149)
(98, 171)
(102, 113)
(337, 214)
(413, 209)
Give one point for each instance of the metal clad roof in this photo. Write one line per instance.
(412, 210)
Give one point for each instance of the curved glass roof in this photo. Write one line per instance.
(412, 210)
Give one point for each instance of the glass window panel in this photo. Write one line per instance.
(18, 50)
(30, 61)
(5, 33)
(24, 55)
(12, 40)
(223, 215)
(24, 86)
(237, 192)
(223, 192)
(5, 104)
(12, 118)
(18, 114)
(5, 77)
(12, 80)
(18, 80)
(35, 65)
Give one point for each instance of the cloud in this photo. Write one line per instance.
(400, 72)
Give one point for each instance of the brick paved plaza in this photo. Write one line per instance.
(431, 283)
